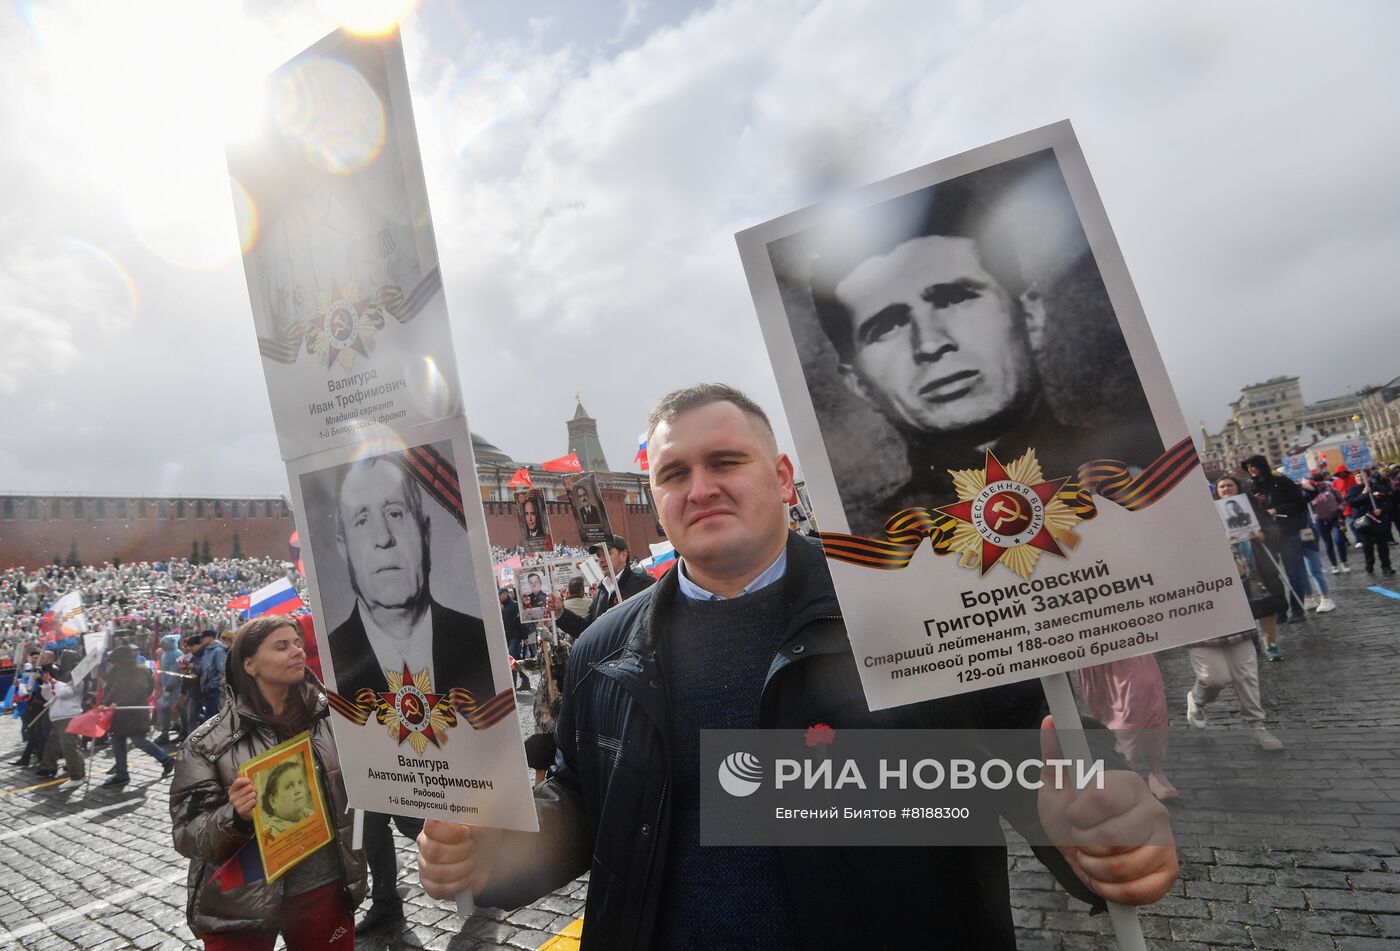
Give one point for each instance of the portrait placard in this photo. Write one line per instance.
(590, 515)
(533, 516)
(289, 820)
(338, 249)
(532, 587)
(1237, 515)
(414, 651)
(353, 330)
(963, 360)
(561, 572)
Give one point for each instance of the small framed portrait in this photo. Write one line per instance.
(290, 820)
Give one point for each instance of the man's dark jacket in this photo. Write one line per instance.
(1290, 509)
(460, 655)
(510, 617)
(605, 807)
(129, 687)
(632, 580)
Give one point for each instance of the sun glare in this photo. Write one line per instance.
(152, 90)
(368, 17)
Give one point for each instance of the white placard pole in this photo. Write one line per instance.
(466, 903)
(357, 834)
(1127, 930)
(1283, 576)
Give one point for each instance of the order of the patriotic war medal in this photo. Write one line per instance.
(344, 324)
(1008, 514)
(410, 710)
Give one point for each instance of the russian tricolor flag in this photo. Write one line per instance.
(641, 457)
(244, 867)
(280, 597)
(662, 560)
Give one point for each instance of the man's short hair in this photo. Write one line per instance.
(956, 208)
(412, 495)
(533, 574)
(676, 402)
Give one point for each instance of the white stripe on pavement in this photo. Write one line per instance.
(120, 898)
(72, 817)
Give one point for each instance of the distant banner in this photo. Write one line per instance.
(590, 514)
(1357, 455)
(533, 514)
(963, 360)
(1295, 467)
(352, 326)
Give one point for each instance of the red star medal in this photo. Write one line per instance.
(1007, 514)
(413, 706)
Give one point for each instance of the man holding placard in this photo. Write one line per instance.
(620, 581)
(747, 633)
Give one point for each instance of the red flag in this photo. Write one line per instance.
(93, 724)
(240, 603)
(521, 477)
(308, 643)
(567, 463)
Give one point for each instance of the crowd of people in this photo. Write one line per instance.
(144, 597)
(1282, 573)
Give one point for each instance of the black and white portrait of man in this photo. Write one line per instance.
(377, 582)
(585, 496)
(958, 318)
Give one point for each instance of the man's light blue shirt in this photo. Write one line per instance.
(765, 577)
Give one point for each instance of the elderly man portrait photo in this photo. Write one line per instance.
(383, 534)
(966, 316)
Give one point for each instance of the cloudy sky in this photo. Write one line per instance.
(589, 163)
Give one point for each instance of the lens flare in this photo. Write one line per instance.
(368, 17)
(437, 395)
(245, 210)
(376, 439)
(489, 98)
(330, 111)
(114, 269)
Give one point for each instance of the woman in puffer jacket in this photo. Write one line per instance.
(270, 697)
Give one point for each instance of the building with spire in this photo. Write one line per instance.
(625, 494)
(583, 439)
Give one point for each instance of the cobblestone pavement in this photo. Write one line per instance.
(1315, 865)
